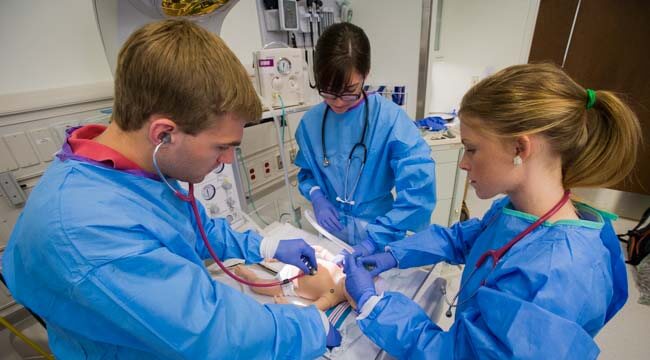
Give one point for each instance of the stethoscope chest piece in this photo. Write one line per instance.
(347, 196)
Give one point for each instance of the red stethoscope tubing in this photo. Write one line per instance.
(497, 254)
(191, 199)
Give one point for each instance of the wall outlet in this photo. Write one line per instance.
(266, 168)
(253, 174)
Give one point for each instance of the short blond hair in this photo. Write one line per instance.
(598, 146)
(177, 69)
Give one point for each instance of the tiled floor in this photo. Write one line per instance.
(626, 335)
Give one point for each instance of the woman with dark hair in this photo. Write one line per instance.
(356, 147)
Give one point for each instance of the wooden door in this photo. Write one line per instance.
(608, 49)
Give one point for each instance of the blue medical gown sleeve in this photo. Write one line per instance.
(546, 305)
(439, 243)
(226, 242)
(414, 169)
(610, 240)
(121, 278)
(545, 300)
(306, 179)
(170, 305)
(502, 326)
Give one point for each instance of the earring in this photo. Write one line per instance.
(517, 160)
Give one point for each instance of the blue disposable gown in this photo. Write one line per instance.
(546, 299)
(397, 157)
(114, 265)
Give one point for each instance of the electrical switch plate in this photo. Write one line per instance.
(11, 190)
(278, 162)
(59, 130)
(7, 161)
(44, 143)
(21, 149)
(292, 155)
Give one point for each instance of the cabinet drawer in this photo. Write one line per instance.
(440, 214)
(445, 156)
(445, 180)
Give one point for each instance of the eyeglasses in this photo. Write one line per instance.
(345, 97)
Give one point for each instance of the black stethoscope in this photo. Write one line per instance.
(497, 254)
(347, 196)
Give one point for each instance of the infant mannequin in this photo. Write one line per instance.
(326, 288)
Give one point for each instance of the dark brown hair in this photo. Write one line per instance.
(341, 49)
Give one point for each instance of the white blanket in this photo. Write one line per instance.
(354, 344)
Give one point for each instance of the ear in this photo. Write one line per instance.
(159, 127)
(523, 147)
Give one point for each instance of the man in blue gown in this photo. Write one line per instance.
(110, 257)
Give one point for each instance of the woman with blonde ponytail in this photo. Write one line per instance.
(543, 273)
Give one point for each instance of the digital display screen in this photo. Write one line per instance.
(265, 62)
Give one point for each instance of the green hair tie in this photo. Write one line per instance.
(591, 98)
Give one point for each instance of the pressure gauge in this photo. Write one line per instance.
(284, 66)
(208, 192)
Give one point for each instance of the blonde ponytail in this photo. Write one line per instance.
(612, 137)
(598, 145)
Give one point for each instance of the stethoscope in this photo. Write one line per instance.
(347, 196)
(497, 254)
(195, 210)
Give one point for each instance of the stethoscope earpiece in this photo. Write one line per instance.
(166, 138)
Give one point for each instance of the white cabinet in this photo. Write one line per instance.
(450, 179)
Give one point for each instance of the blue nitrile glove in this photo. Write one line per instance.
(364, 248)
(433, 123)
(378, 263)
(333, 338)
(325, 212)
(296, 252)
(358, 281)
